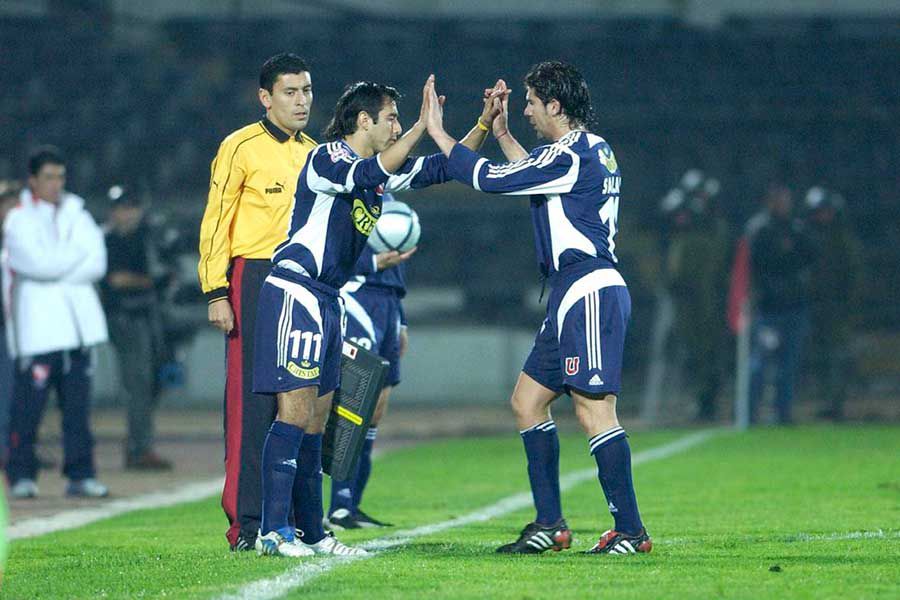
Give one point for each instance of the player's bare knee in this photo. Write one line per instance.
(529, 409)
(595, 413)
(296, 407)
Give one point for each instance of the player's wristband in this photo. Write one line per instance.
(502, 134)
(481, 125)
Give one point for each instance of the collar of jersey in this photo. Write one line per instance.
(349, 148)
(277, 133)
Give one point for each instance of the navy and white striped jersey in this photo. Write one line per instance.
(574, 188)
(337, 203)
(367, 272)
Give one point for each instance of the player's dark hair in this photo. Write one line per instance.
(556, 80)
(286, 62)
(358, 97)
(45, 155)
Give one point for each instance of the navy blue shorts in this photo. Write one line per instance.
(298, 336)
(373, 322)
(580, 344)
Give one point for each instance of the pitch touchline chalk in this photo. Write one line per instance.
(71, 519)
(303, 573)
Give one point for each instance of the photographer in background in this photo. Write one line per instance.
(134, 325)
(838, 277)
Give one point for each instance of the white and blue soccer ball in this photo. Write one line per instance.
(397, 229)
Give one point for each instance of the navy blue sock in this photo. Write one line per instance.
(613, 456)
(308, 489)
(279, 467)
(542, 450)
(342, 494)
(346, 493)
(365, 467)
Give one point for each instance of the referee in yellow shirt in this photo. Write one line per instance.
(251, 192)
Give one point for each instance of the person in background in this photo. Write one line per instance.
(134, 326)
(56, 251)
(696, 275)
(781, 256)
(837, 278)
(9, 197)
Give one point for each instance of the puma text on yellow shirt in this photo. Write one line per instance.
(251, 192)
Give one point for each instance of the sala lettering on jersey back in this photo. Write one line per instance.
(611, 185)
(609, 212)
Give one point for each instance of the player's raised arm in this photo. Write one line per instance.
(511, 148)
(335, 169)
(492, 107)
(332, 169)
(393, 157)
(551, 169)
(434, 119)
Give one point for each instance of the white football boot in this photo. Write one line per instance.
(274, 544)
(330, 545)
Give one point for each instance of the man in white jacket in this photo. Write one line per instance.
(53, 254)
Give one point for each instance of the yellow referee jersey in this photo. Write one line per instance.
(251, 191)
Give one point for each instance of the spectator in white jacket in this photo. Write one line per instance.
(54, 253)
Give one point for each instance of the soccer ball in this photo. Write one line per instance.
(397, 229)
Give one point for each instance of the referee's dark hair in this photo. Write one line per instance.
(362, 96)
(286, 62)
(45, 155)
(556, 80)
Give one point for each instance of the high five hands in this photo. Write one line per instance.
(495, 108)
(497, 98)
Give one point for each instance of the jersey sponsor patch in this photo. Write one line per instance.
(572, 364)
(363, 220)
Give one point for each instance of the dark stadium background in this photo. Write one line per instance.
(810, 98)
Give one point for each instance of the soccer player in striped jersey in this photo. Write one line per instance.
(299, 322)
(573, 182)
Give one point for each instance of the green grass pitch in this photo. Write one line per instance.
(810, 512)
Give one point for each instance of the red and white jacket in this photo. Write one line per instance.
(52, 256)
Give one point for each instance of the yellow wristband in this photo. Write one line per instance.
(481, 125)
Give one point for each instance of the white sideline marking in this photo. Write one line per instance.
(796, 537)
(71, 519)
(275, 587)
(835, 537)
